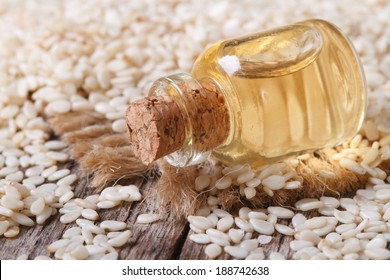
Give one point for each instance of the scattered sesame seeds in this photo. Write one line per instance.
(26, 146)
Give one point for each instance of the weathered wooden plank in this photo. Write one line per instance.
(166, 239)
(160, 240)
(279, 243)
(194, 251)
(34, 241)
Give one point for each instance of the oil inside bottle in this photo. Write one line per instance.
(292, 89)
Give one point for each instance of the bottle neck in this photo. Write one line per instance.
(191, 119)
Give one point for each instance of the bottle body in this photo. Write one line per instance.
(289, 90)
(255, 100)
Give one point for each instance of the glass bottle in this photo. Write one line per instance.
(255, 99)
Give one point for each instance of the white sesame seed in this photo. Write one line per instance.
(276, 256)
(11, 161)
(5, 211)
(307, 204)
(262, 227)
(90, 214)
(101, 238)
(300, 244)
(293, 185)
(255, 256)
(308, 235)
(213, 251)
(22, 257)
(79, 253)
(66, 197)
(87, 236)
(253, 183)
(213, 219)
(49, 171)
(202, 182)
(58, 156)
(371, 215)
(245, 177)
(119, 126)
(58, 174)
(121, 239)
(236, 235)
(378, 253)
(352, 166)
(69, 233)
(38, 206)
(110, 256)
(93, 228)
(298, 220)
(330, 201)
(22, 219)
(248, 235)
(280, 212)
(268, 191)
(272, 169)
(12, 231)
(327, 174)
(383, 194)
(223, 183)
(114, 195)
(331, 253)
(249, 244)
(11, 202)
(264, 239)
(45, 214)
(59, 106)
(205, 211)
(85, 204)
(377, 242)
(70, 217)
(274, 182)
(225, 223)
(250, 192)
(95, 249)
(283, 229)
(216, 236)
(316, 222)
(53, 247)
(236, 252)
(257, 215)
(272, 219)
(198, 221)
(344, 216)
(107, 204)
(3, 227)
(55, 145)
(111, 225)
(60, 191)
(8, 170)
(200, 238)
(324, 230)
(244, 225)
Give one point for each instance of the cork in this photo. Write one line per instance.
(157, 127)
(209, 117)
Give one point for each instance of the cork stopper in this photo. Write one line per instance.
(157, 127)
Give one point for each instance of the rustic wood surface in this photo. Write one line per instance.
(167, 239)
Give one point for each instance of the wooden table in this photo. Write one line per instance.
(166, 239)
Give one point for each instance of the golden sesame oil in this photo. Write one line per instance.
(293, 89)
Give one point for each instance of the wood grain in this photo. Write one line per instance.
(167, 239)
